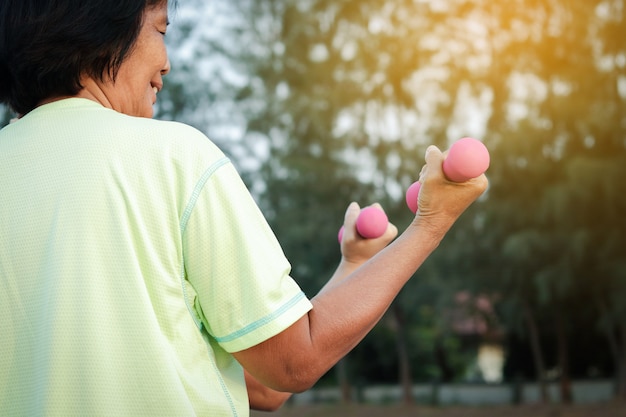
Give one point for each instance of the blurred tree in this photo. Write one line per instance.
(571, 109)
(322, 102)
(5, 115)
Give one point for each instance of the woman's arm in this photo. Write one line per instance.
(262, 398)
(356, 297)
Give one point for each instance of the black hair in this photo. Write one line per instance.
(47, 45)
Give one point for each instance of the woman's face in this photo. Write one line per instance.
(140, 76)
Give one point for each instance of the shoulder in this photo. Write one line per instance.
(116, 136)
(94, 119)
(161, 130)
(180, 141)
(166, 138)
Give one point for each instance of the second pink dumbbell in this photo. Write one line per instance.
(371, 223)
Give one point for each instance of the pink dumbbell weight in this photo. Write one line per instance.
(468, 158)
(371, 223)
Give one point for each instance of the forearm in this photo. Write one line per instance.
(355, 299)
(343, 313)
(344, 269)
(358, 250)
(262, 398)
(341, 318)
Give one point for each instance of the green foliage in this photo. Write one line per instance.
(343, 96)
(5, 115)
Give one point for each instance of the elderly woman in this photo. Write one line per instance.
(137, 276)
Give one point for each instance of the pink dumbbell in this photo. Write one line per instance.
(468, 158)
(371, 223)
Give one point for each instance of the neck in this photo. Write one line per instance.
(91, 91)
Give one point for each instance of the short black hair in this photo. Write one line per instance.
(47, 45)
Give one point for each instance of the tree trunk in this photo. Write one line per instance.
(621, 365)
(404, 363)
(535, 346)
(611, 337)
(563, 358)
(344, 380)
(446, 373)
(616, 337)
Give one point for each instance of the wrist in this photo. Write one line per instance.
(348, 264)
(430, 232)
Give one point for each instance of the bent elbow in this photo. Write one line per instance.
(271, 403)
(294, 385)
(298, 387)
(301, 377)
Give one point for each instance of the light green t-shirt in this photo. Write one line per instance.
(132, 260)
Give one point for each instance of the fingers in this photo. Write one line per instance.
(434, 161)
(441, 200)
(352, 212)
(357, 249)
(391, 232)
(433, 155)
(349, 229)
(349, 221)
(481, 183)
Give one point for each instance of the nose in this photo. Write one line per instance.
(166, 69)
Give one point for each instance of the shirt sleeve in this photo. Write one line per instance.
(244, 294)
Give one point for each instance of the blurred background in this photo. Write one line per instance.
(323, 102)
